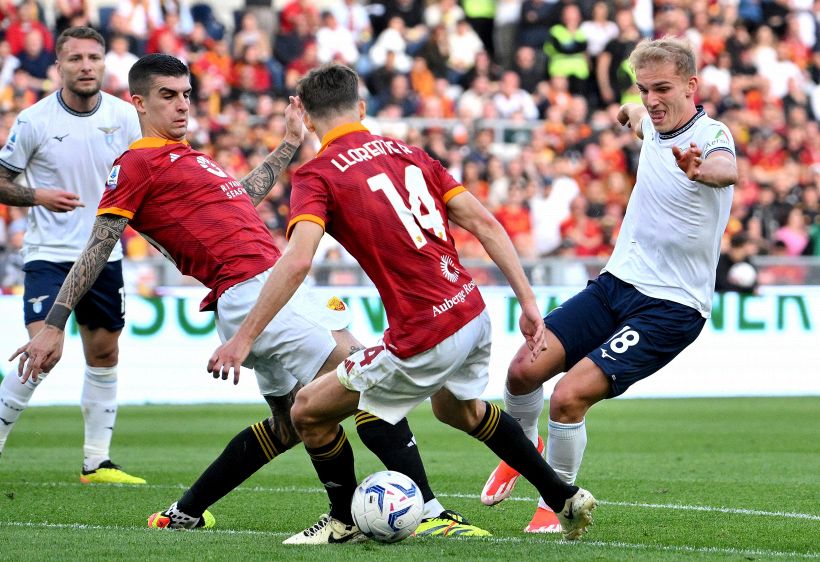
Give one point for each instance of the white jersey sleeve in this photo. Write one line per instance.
(23, 140)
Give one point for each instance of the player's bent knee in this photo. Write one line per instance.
(566, 406)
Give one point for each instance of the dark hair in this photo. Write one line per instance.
(328, 89)
(157, 64)
(79, 32)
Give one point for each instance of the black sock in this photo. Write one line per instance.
(504, 436)
(396, 448)
(334, 466)
(251, 449)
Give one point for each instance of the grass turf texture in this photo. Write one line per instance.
(676, 479)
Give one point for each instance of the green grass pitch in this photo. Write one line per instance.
(694, 479)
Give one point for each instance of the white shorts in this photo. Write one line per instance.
(294, 345)
(390, 387)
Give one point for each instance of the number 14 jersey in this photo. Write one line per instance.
(386, 203)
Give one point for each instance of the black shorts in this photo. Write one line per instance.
(103, 306)
(627, 334)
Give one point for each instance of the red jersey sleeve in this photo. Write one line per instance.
(310, 200)
(126, 186)
(442, 181)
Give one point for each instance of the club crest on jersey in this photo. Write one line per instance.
(109, 133)
(211, 167)
(448, 270)
(113, 177)
(37, 303)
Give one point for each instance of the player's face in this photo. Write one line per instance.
(81, 64)
(165, 109)
(668, 97)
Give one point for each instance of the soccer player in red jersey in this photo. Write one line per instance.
(205, 222)
(388, 204)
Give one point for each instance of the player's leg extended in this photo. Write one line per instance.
(524, 401)
(319, 408)
(504, 436)
(14, 396)
(251, 449)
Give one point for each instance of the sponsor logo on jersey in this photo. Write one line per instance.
(109, 133)
(174, 157)
(60, 137)
(113, 177)
(211, 167)
(448, 270)
(10, 144)
(721, 140)
(335, 303)
(455, 300)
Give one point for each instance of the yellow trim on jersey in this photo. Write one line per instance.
(453, 192)
(154, 142)
(305, 217)
(115, 211)
(341, 131)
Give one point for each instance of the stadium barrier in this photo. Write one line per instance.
(754, 345)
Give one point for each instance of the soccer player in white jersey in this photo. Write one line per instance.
(64, 145)
(652, 298)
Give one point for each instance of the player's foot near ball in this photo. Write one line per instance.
(109, 473)
(501, 482)
(449, 524)
(328, 530)
(173, 518)
(577, 514)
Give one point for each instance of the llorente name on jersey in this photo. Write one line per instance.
(368, 151)
(456, 299)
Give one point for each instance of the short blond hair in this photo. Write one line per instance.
(665, 50)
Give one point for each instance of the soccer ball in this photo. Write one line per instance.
(743, 274)
(387, 506)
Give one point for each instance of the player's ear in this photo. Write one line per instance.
(362, 109)
(692, 86)
(308, 122)
(138, 102)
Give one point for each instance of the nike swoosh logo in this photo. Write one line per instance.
(61, 138)
(333, 540)
(5, 422)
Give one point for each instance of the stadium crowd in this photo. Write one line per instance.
(516, 98)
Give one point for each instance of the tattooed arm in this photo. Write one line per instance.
(262, 178)
(46, 347)
(12, 193)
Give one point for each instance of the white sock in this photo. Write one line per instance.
(526, 410)
(565, 448)
(99, 403)
(14, 399)
(433, 508)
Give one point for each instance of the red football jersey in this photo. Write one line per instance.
(385, 202)
(192, 211)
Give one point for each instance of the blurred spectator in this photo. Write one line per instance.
(795, 233)
(136, 19)
(249, 33)
(400, 95)
(482, 66)
(27, 22)
(301, 65)
(118, 61)
(464, 46)
(336, 43)
(36, 60)
(537, 16)
(166, 38)
(184, 20)
(549, 207)
(480, 14)
(511, 100)
(412, 14)
(585, 233)
(599, 30)
(475, 101)
(436, 51)
(514, 216)
(530, 67)
(352, 15)
(735, 271)
(8, 64)
(566, 48)
(445, 12)
(71, 13)
(289, 46)
(295, 9)
(391, 40)
(507, 16)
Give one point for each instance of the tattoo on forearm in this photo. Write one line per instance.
(13, 193)
(262, 178)
(104, 236)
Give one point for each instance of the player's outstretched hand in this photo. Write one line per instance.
(227, 356)
(689, 160)
(41, 354)
(532, 327)
(295, 128)
(57, 200)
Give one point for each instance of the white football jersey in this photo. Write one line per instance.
(669, 242)
(57, 147)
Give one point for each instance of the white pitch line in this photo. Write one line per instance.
(298, 490)
(574, 544)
